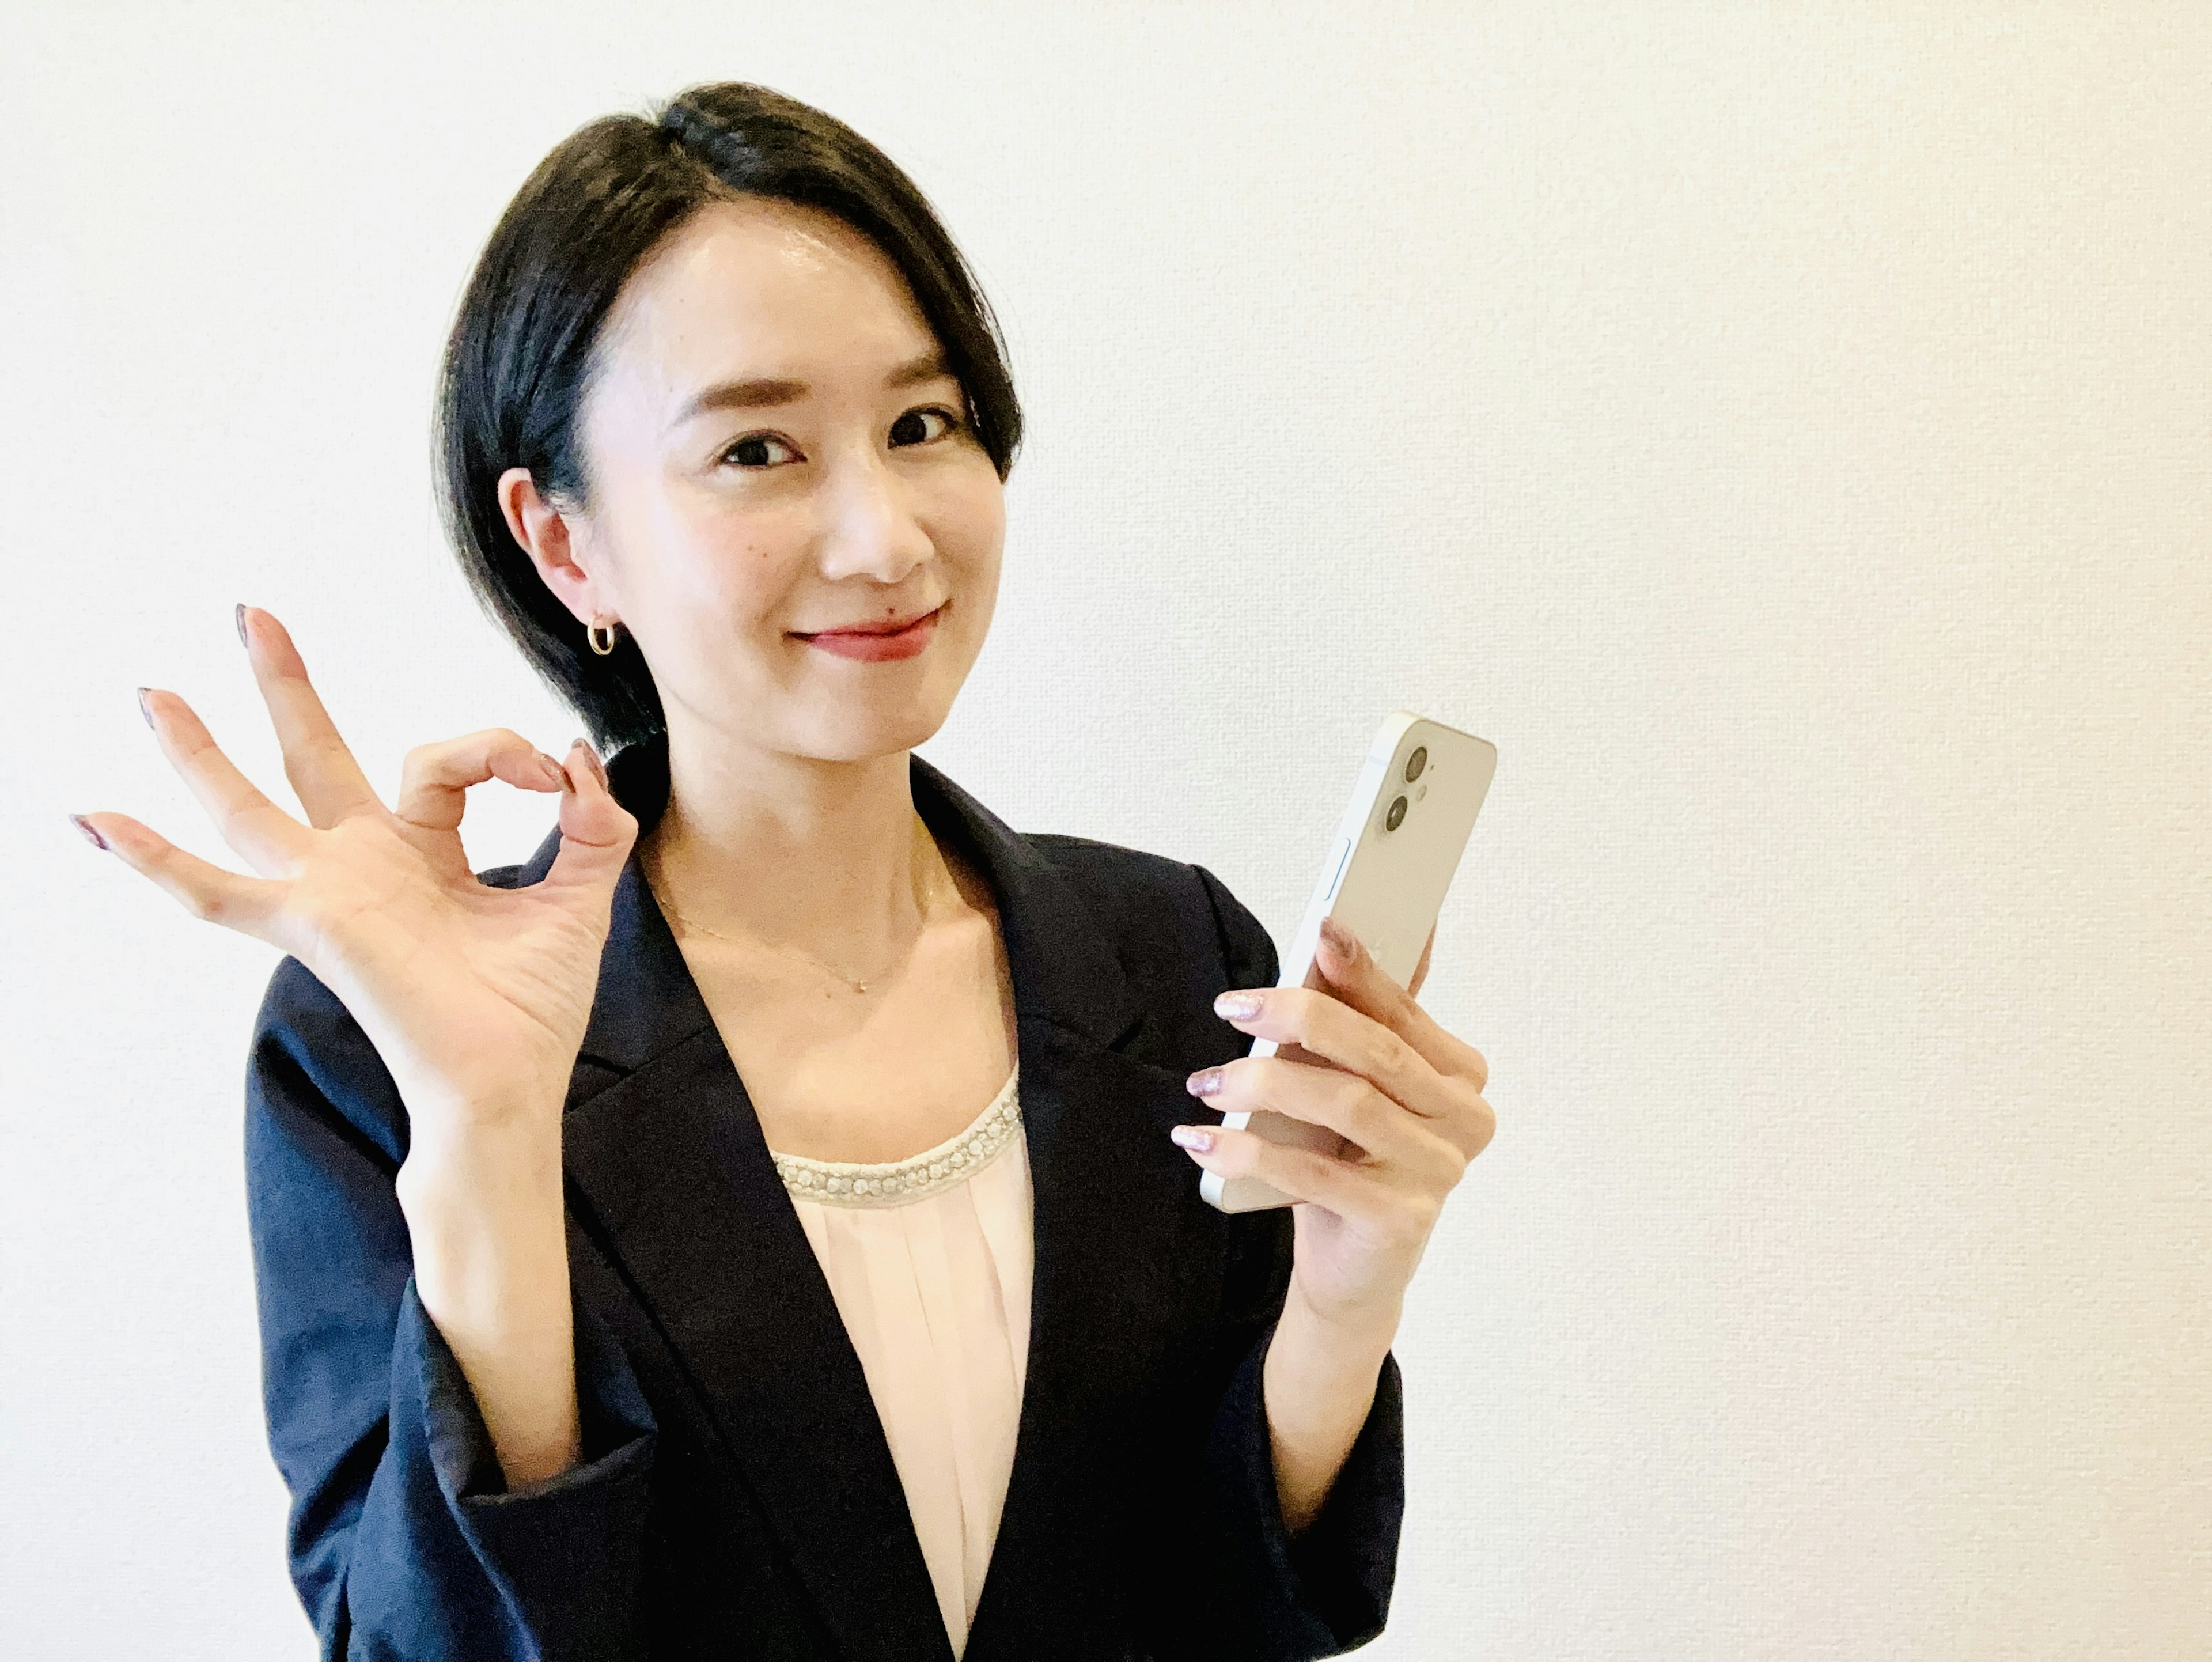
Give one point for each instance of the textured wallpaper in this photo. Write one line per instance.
(1782, 431)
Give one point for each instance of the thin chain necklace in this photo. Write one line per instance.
(923, 896)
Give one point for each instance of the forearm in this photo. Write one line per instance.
(1319, 1385)
(489, 1237)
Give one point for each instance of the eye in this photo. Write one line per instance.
(910, 428)
(754, 451)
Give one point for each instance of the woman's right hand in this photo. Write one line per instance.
(475, 997)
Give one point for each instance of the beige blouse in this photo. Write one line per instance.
(930, 1259)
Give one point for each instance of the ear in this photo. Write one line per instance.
(546, 535)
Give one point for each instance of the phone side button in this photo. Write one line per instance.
(1336, 867)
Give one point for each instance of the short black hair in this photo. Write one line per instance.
(520, 355)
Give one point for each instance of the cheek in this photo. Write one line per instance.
(971, 522)
(742, 565)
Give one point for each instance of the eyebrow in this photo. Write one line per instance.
(765, 392)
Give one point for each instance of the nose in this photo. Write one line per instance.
(872, 530)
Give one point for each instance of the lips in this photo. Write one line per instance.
(874, 643)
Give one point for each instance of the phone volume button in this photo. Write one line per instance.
(1336, 869)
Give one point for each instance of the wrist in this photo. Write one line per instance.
(1319, 1380)
(1354, 1340)
(481, 1198)
(482, 1151)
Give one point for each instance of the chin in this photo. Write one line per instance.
(854, 734)
(836, 724)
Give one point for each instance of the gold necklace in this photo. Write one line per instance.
(921, 901)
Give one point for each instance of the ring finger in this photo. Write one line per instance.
(1340, 1102)
(262, 833)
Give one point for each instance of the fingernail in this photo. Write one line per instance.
(91, 831)
(145, 709)
(556, 775)
(1340, 940)
(240, 615)
(592, 761)
(1193, 1136)
(1236, 1006)
(1206, 1082)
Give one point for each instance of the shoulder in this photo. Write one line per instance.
(1151, 893)
(1168, 919)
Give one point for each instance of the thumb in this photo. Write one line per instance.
(1353, 974)
(1421, 968)
(1357, 979)
(596, 830)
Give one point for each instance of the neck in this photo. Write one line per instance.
(823, 856)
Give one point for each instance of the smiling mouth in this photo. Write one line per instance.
(879, 641)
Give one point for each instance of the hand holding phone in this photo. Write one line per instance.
(1385, 877)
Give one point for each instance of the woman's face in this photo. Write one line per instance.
(776, 453)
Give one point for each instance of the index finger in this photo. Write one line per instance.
(1312, 1021)
(328, 780)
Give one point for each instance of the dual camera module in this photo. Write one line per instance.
(1395, 815)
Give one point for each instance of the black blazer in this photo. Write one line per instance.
(736, 1497)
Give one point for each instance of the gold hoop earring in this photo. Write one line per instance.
(591, 634)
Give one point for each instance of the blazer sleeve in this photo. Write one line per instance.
(1328, 1590)
(403, 1541)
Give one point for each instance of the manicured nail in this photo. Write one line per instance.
(1193, 1136)
(145, 709)
(1345, 944)
(592, 761)
(1236, 1006)
(240, 615)
(1206, 1082)
(91, 830)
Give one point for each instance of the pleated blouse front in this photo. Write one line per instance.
(930, 1260)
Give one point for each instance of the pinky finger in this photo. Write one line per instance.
(1335, 1185)
(248, 905)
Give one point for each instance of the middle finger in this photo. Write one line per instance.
(325, 775)
(1329, 1097)
(1323, 1026)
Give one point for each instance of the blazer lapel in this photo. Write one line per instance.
(1123, 1251)
(663, 1145)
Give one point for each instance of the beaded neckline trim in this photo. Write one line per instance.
(899, 1182)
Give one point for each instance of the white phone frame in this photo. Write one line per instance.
(1386, 883)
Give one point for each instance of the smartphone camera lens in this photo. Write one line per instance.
(1396, 817)
(1416, 762)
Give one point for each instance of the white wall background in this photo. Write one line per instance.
(1784, 431)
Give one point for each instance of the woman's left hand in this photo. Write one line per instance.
(1360, 1057)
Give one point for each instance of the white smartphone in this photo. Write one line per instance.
(1388, 869)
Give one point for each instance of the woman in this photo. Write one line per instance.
(772, 1207)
